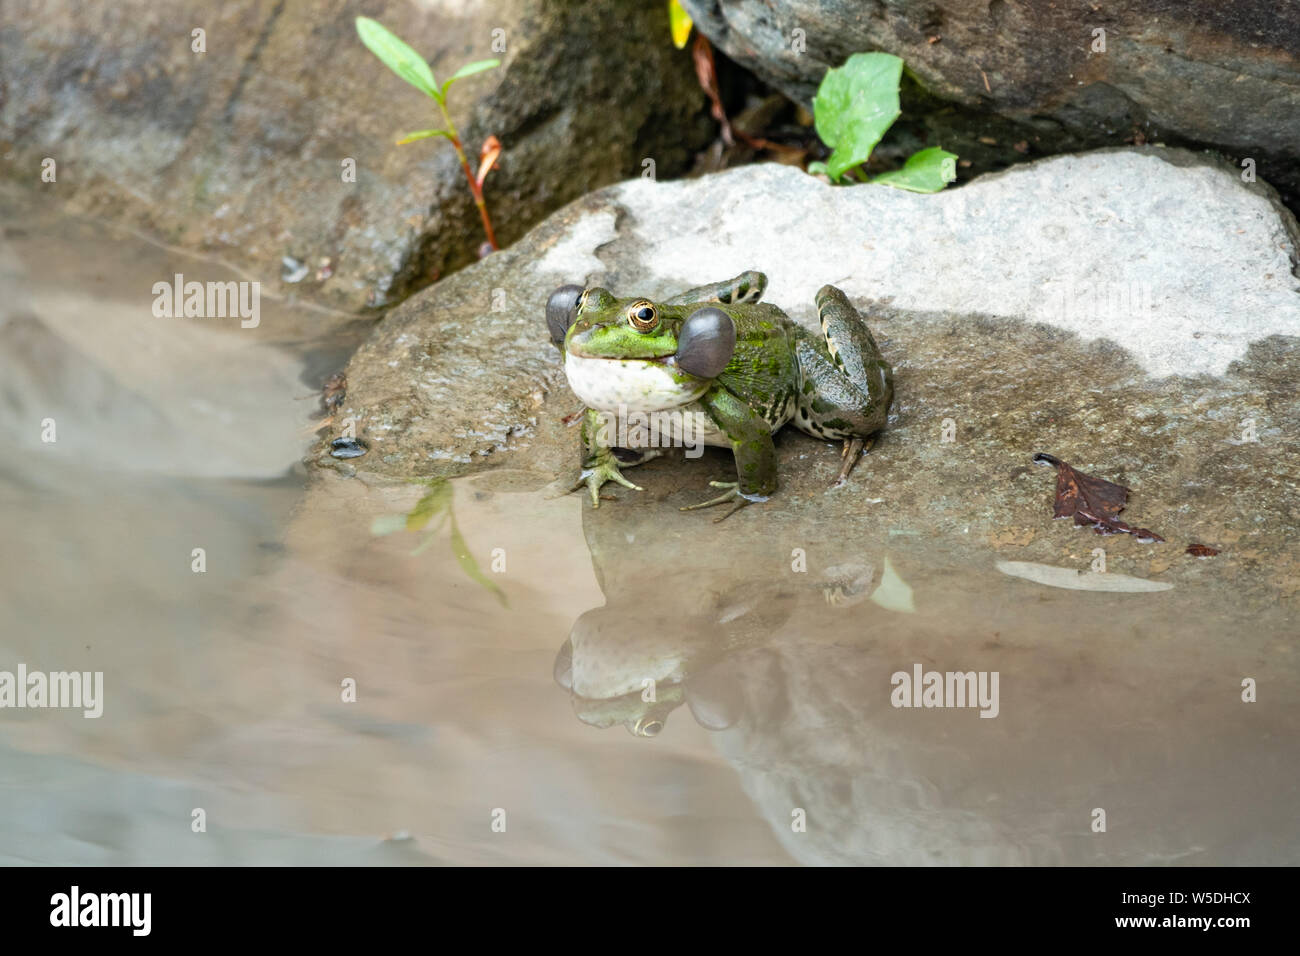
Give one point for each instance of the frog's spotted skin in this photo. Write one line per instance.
(632, 356)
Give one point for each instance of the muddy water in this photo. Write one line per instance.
(500, 639)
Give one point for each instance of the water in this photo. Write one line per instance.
(489, 694)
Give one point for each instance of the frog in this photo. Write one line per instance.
(740, 366)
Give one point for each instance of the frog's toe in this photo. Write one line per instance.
(731, 496)
(630, 457)
(854, 448)
(617, 476)
(595, 478)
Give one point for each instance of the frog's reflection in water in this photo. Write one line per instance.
(794, 674)
(621, 665)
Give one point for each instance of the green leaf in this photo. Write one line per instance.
(436, 500)
(926, 171)
(469, 565)
(855, 104)
(469, 69)
(397, 56)
(817, 166)
(679, 22)
(422, 134)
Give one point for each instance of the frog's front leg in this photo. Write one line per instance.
(847, 386)
(600, 463)
(746, 287)
(751, 442)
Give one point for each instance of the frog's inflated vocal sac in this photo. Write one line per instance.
(745, 366)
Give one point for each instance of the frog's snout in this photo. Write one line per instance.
(706, 343)
(561, 310)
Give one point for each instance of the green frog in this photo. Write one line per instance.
(717, 355)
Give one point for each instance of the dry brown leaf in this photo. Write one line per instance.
(487, 158)
(1091, 501)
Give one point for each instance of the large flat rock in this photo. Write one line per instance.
(1153, 263)
(1133, 312)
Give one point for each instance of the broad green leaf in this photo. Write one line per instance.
(422, 134)
(679, 22)
(397, 56)
(469, 565)
(817, 166)
(855, 104)
(926, 171)
(469, 69)
(436, 500)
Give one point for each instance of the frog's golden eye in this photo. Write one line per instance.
(642, 316)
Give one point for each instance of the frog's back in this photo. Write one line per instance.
(763, 370)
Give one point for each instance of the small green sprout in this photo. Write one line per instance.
(411, 67)
(855, 104)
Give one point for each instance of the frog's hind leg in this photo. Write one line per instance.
(746, 287)
(847, 386)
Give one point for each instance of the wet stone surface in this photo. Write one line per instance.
(463, 378)
(501, 639)
(779, 632)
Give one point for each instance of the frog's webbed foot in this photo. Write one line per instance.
(854, 448)
(731, 496)
(606, 467)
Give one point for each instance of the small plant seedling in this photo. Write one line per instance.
(855, 105)
(411, 67)
(437, 503)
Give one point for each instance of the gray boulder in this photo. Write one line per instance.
(238, 151)
(1198, 72)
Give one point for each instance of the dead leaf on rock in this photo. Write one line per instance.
(707, 73)
(1091, 501)
(1201, 551)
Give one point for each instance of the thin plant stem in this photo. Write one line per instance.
(469, 177)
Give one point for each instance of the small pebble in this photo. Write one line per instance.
(293, 270)
(348, 448)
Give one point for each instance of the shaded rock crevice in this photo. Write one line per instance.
(1196, 73)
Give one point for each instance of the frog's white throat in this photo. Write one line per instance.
(615, 385)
